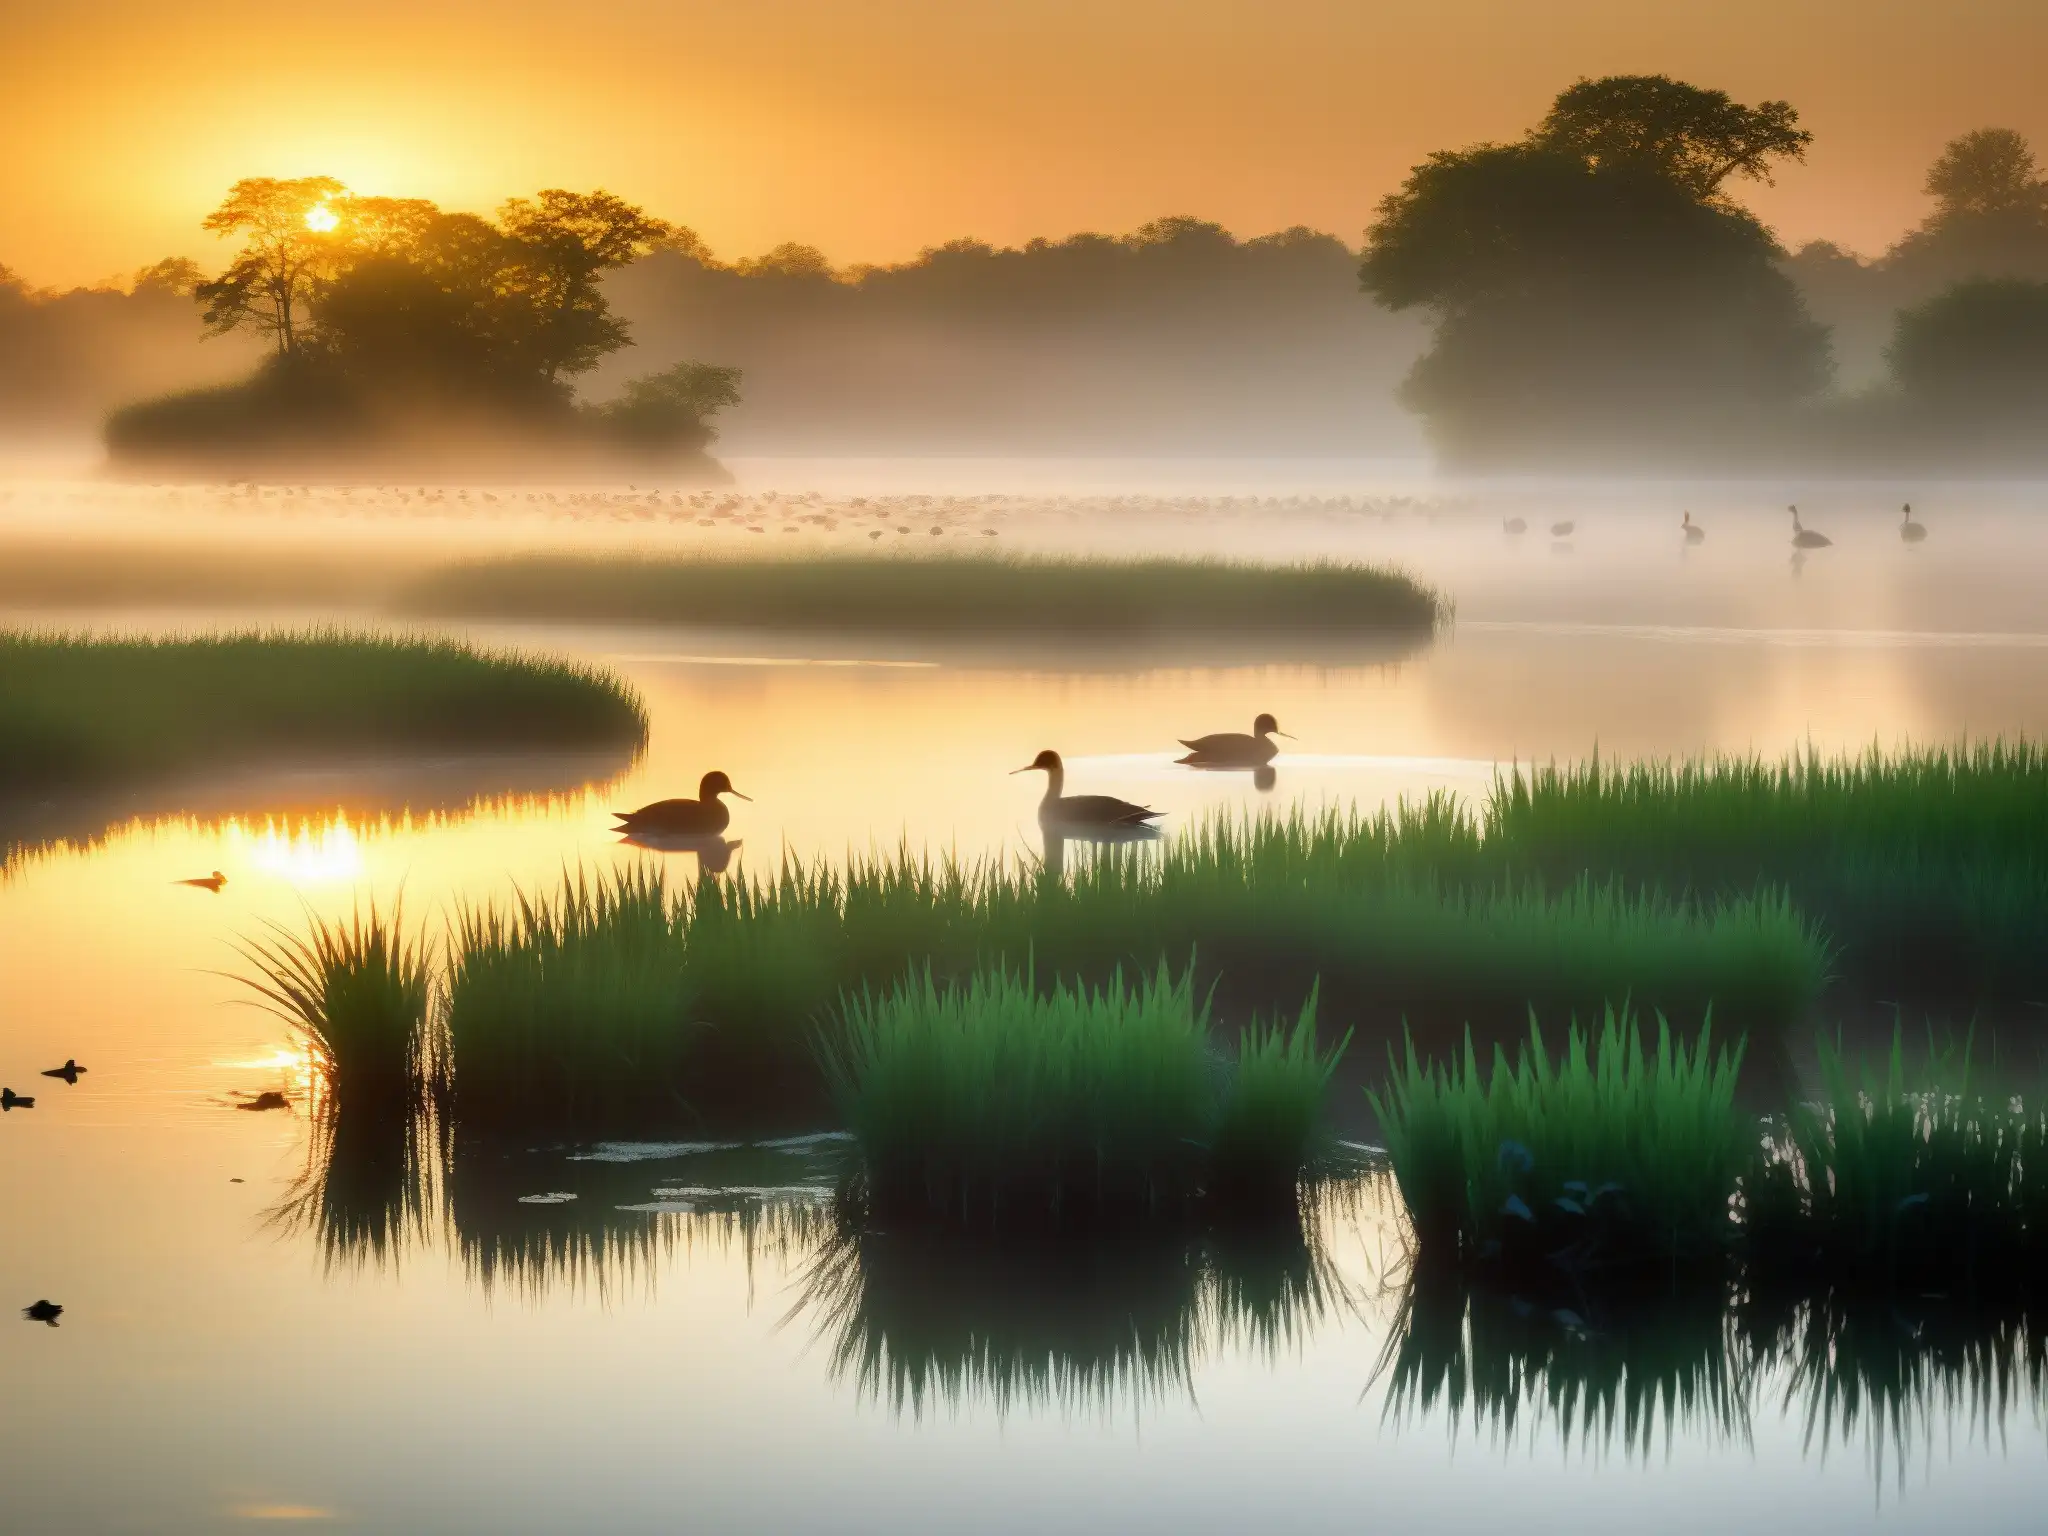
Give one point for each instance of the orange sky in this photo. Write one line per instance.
(874, 127)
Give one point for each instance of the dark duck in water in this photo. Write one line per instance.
(705, 816)
(1231, 749)
(1081, 813)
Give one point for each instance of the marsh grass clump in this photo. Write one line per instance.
(572, 1011)
(1615, 1154)
(994, 1101)
(1926, 866)
(78, 711)
(942, 596)
(358, 994)
(1903, 1183)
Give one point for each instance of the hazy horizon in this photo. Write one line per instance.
(874, 135)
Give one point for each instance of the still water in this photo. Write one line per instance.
(681, 1345)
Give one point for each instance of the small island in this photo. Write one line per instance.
(411, 342)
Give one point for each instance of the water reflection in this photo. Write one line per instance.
(1056, 840)
(713, 853)
(366, 1193)
(304, 822)
(923, 1319)
(1895, 1376)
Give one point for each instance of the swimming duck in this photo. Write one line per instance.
(1230, 749)
(1909, 530)
(701, 817)
(1804, 537)
(1694, 533)
(212, 882)
(9, 1099)
(71, 1071)
(1074, 812)
(43, 1312)
(1562, 530)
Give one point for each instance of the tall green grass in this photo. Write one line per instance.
(995, 1101)
(1618, 1153)
(1919, 1182)
(358, 994)
(1929, 868)
(76, 711)
(954, 596)
(572, 1010)
(559, 1004)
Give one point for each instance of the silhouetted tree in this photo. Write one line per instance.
(671, 409)
(289, 243)
(568, 240)
(1978, 352)
(1990, 218)
(1591, 288)
(1679, 133)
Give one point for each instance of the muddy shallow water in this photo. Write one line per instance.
(664, 1351)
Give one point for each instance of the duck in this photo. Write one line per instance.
(44, 1311)
(1694, 533)
(1804, 537)
(1514, 525)
(1562, 530)
(701, 817)
(212, 882)
(71, 1071)
(1909, 530)
(9, 1099)
(1229, 749)
(1080, 812)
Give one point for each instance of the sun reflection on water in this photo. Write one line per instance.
(308, 853)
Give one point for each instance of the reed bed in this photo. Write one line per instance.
(941, 596)
(1615, 1154)
(1928, 868)
(357, 993)
(77, 711)
(610, 1008)
(1916, 1185)
(998, 1102)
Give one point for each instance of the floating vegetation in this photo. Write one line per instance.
(956, 596)
(78, 711)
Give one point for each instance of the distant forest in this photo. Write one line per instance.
(1593, 284)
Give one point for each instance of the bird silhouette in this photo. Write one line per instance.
(1233, 749)
(71, 1071)
(1562, 530)
(212, 882)
(44, 1311)
(9, 1099)
(1694, 533)
(1909, 530)
(705, 816)
(1073, 813)
(1804, 537)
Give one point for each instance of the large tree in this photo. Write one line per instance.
(1593, 289)
(568, 241)
(290, 241)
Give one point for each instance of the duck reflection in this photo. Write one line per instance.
(714, 852)
(1057, 838)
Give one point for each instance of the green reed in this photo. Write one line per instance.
(1616, 1153)
(1928, 867)
(357, 993)
(962, 596)
(78, 710)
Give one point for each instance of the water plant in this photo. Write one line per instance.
(78, 710)
(1617, 1153)
(1912, 1183)
(572, 1010)
(998, 1101)
(357, 993)
(963, 596)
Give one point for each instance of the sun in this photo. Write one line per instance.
(320, 218)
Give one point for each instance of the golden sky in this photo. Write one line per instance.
(872, 128)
